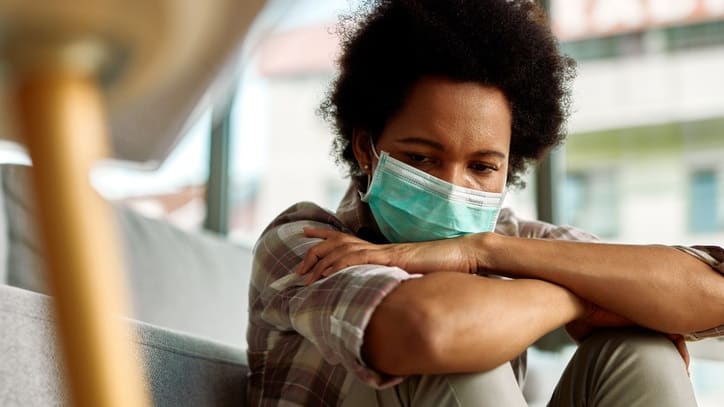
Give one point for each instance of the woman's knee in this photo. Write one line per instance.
(629, 366)
(497, 387)
(637, 346)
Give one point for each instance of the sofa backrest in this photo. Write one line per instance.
(191, 282)
(3, 240)
(181, 370)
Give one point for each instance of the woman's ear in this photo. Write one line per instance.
(361, 148)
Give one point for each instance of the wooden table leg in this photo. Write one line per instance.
(61, 117)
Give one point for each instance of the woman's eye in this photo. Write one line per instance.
(417, 158)
(480, 167)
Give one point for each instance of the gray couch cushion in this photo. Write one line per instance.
(22, 244)
(181, 370)
(194, 283)
(3, 239)
(188, 371)
(29, 370)
(189, 282)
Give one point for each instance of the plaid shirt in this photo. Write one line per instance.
(305, 341)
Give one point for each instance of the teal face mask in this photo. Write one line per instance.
(410, 205)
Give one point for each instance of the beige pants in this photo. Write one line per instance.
(612, 368)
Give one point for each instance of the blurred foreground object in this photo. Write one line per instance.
(69, 71)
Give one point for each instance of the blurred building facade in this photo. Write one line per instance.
(645, 158)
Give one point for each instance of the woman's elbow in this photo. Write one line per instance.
(402, 338)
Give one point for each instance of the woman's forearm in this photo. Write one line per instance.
(454, 322)
(655, 286)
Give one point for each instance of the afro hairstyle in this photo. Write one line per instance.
(389, 45)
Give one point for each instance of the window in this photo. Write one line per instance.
(174, 192)
(589, 200)
(280, 150)
(705, 215)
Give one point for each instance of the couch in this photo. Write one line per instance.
(189, 308)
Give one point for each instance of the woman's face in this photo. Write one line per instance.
(456, 131)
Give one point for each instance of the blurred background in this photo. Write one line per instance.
(644, 160)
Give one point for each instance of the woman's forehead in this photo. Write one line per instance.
(447, 115)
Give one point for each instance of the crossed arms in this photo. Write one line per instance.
(450, 320)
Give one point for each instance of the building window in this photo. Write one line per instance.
(705, 215)
(589, 202)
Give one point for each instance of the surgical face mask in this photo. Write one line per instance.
(410, 205)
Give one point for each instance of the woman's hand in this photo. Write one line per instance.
(341, 250)
(596, 317)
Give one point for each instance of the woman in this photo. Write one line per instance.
(392, 300)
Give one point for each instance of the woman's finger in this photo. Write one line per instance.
(321, 233)
(332, 240)
(335, 260)
(316, 253)
(346, 256)
(680, 344)
(317, 272)
(311, 277)
(353, 256)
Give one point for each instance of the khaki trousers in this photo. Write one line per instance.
(612, 368)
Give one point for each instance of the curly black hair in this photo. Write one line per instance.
(389, 45)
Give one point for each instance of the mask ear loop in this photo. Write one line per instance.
(369, 177)
(374, 151)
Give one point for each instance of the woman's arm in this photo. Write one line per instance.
(443, 322)
(454, 323)
(447, 322)
(657, 287)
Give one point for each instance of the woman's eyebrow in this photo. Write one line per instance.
(494, 153)
(421, 140)
(440, 147)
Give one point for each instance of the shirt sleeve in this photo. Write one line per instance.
(714, 257)
(331, 313)
(711, 255)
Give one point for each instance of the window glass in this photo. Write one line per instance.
(703, 202)
(173, 191)
(280, 146)
(646, 103)
(591, 202)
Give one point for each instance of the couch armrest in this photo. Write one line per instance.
(182, 370)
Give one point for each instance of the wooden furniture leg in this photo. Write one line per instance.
(61, 117)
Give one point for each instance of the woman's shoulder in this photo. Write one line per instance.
(299, 215)
(304, 211)
(283, 242)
